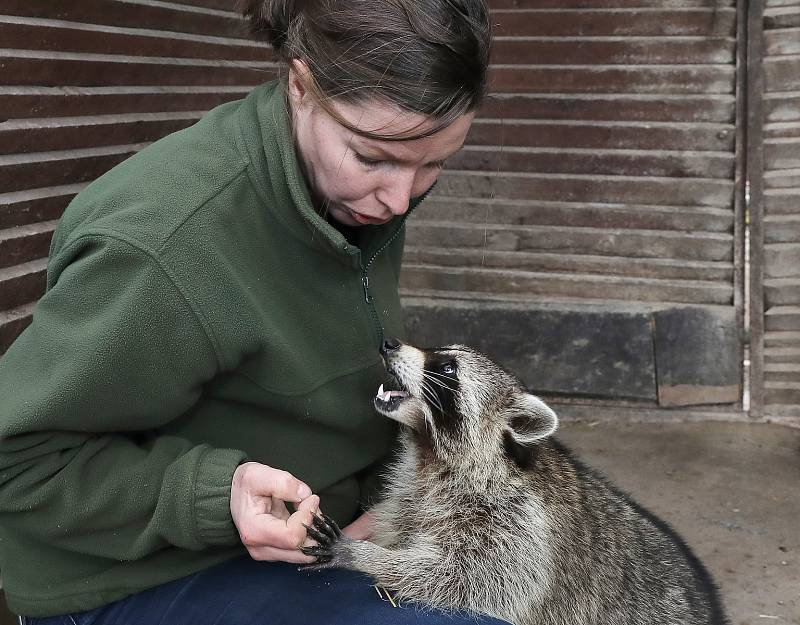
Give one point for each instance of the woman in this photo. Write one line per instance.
(207, 348)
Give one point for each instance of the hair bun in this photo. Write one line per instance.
(270, 19)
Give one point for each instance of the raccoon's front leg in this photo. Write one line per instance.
(406, 571)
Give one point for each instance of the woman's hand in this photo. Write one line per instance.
(360, 529)
(258, 508)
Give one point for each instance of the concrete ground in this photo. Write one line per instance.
(732, 490)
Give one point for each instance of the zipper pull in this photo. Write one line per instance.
(365, 283)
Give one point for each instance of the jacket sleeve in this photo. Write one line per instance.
(114, 351)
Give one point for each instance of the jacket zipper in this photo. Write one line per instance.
(365, 268)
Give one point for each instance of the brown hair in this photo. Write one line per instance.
(429, 57)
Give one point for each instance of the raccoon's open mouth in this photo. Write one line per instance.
(387, 401)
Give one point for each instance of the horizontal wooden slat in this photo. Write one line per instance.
(782, 355)
(580, 214)
(784, 373)
(782, 339)
(221, 5)
(770, 4)
(570, 263)
(604, 78)
(782, 228)
(573, 240)
(22, 284)
(451, 279)
(62, 36)
(781, 291)
(598, 134)
(49, 169)
(781, 393)
(782, 260)
(782, 106)
(63, 133)
(610, 107)
(12, 323)
(658, 22)
(28, 102)
(612, 50)
(782, 17)
(577, 188)
(782, 73)
(782, 130)
(602, 4)
(132, 14)
(782, 201)
(21, 208)
(24, 67)
(782, 179)
(785, 41)
(782, 153)
(782, 319)
(588, 161)
(23, 244)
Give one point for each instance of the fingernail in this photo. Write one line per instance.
(303, 491)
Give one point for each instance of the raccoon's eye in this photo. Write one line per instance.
(448, 368)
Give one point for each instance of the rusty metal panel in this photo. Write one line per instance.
(87, 84)
(603, 171)
(779, 230)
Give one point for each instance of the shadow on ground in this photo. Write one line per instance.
(731, 489)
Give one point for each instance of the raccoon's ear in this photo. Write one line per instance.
(530, 419)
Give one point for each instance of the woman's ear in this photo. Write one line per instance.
(298, 90)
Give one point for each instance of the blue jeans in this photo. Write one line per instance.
(245, 592)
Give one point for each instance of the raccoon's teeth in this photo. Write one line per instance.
(386, 396)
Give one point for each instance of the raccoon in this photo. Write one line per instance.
(486, 511)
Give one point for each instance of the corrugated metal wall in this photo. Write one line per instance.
(603, 165)
(781, 206)
(85, 84)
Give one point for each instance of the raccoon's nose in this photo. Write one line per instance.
(389, 345)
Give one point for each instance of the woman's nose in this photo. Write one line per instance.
(396, 192)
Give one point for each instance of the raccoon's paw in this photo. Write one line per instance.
(333, 548)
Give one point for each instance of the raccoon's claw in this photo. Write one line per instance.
(325, 529)
(328, 552)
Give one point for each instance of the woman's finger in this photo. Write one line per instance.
(303, 517)
(279, 509)
(273, 554)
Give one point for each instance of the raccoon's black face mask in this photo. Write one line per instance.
(458, 397)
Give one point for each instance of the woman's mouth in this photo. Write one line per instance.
(364, 220)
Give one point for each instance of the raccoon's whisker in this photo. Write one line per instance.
(441, 375)
(429, 375)
(435, 375)
(430, 395)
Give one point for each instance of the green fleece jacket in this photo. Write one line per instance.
(198, 312)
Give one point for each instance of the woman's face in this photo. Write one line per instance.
(358, 181)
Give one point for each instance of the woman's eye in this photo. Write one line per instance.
(369, 162)
(448, 368)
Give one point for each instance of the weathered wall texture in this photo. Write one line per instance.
(781, 131)
(596, 192)
(598, 184)
(83, 85)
